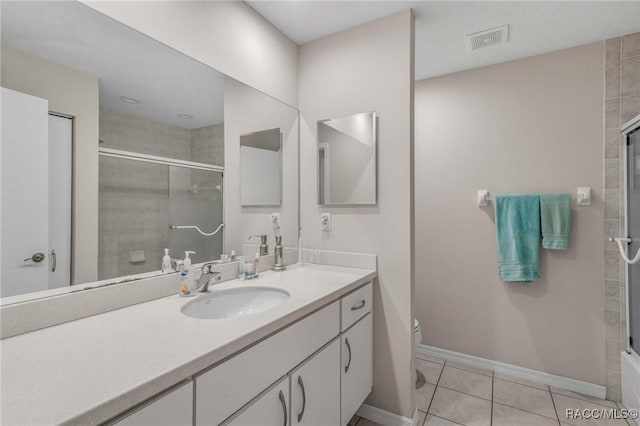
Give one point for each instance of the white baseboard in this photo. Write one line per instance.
(585, 388)
(386, 418)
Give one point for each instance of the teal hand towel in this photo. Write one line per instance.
(555, 216)
(518, 236)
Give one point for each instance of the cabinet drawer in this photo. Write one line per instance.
(227, 387)
(355, 305)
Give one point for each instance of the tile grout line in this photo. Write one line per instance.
(468, 394)
(435, 389)
(522, 384)
(493, 380)
(555, 409)
(620, 409)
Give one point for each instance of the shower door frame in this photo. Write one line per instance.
(629, 127)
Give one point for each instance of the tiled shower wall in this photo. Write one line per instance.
(622, 103)
(133, 201)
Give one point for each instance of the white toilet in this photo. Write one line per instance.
(418, 332)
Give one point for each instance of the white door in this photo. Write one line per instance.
(315, 389)
(24, 174)
(270, 409)
(60, 143)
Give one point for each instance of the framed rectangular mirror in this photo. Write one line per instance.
(261, 168)
(347, 160)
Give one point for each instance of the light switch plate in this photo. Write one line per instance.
(325, 221)
(275, 220)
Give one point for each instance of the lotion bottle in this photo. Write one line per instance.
(187, 266)
(166, 262)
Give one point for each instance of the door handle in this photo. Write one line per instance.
(304, 398)
(284, 407)
(36, 258)
(54, 261)
(346, 341)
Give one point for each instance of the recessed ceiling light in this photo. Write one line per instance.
(130, 100)
(184, 116)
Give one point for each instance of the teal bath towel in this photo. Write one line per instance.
(555, 215)
(518, 236)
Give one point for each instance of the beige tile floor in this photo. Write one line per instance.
(455, 394)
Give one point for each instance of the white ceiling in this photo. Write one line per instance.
(534, 27)
(126, 62)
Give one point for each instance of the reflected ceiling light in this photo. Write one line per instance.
(184, 116)
(130, 100)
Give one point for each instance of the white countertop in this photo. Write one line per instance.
(90, 370)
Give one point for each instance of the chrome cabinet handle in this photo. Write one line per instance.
(54, 261)
(36, 258)
(346, 341)
(360, 306)
(284, 407)
(304, 398)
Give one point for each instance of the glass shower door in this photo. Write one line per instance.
(195, 198)
(633, 231)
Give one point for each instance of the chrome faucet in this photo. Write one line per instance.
(277, 259)
(207, 275)
(264, 248)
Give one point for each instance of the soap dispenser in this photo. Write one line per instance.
(166, 262)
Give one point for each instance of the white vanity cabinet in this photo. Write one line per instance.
(314, 372)
(171, 408)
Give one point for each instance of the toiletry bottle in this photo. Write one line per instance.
(233, 256)
(187, 265)
(166, 262)
(185, 289)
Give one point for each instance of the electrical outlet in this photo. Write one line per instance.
(325, 221)
(275, 220)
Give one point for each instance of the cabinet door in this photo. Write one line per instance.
(315, 389)
(268, 409)
(172, 409)
(357, 366)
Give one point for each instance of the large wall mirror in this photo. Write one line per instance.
(347, 160)
(115, 147)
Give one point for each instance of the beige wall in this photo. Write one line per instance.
(73, 93)
(531, 125)
(369, 68)
(247, 110)
(226, 35)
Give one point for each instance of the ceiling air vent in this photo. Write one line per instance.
(487, 38)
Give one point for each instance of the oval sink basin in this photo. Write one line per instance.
(235, 302)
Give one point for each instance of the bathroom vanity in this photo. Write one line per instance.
(307, 360)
